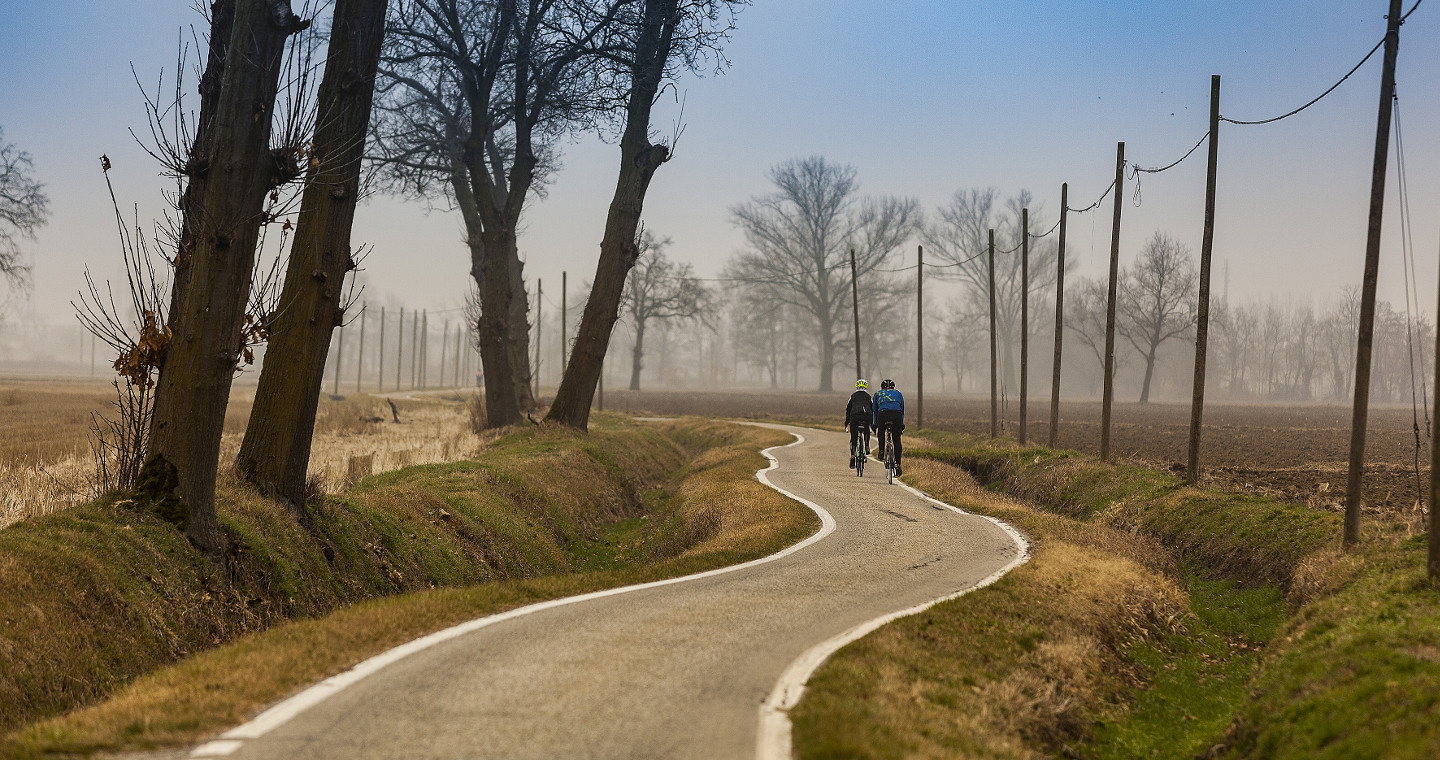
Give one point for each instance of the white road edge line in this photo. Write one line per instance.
(283, 712)
(773, 741)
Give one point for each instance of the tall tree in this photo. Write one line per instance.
(213, 287)
(798, 241)
(24, 209)
(658, 289)
(473, 96)
(656, 38)
(1157, 300)
(275, 452)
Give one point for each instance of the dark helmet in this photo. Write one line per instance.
(887, 384)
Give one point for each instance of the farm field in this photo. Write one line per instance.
(1293, 452)
(46, 464)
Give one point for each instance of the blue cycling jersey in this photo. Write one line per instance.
(888, 400)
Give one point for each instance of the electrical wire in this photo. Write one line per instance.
(1332, 87)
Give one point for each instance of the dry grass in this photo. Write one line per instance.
(46, 465)
(1021, 669)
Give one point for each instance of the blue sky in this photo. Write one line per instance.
(923, 97)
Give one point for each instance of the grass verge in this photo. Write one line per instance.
(1262, 639)
(541, 514)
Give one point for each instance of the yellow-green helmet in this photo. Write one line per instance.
(861, 384)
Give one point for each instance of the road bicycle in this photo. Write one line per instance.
(887, 447)
(860, 453)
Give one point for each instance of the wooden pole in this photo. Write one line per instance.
(1059, 316)
(414, 350)
(360, 360)
(994, 389)
(339, 357)
(1202, 313)
(400, 348)
(1024, 316)
(920, 337)
(424, 346)
(539, 328)
(380, 373)
(444, 350)
(1367, 294)
(1109, 398)
(459, 351)
(564, 325)
(855, 310)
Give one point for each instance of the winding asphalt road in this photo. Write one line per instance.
(692, 669)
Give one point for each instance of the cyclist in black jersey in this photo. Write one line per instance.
(858, 416)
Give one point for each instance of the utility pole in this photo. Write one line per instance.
(414, 350)
(459, 350)
(339, 356)
(360, 361)
(855, 310)
(400, 347)
(424, 346)
(920, 338)
(444, 348)
(380, 372)
(1024, 315)
(994, 390)
(1059, 316)
(539, 329)
(1364, 344)
(564, 325)
(1202, 314)
(1109, 398)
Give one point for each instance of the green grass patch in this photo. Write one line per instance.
(1198, 679)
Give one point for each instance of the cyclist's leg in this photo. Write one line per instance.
(855, 434)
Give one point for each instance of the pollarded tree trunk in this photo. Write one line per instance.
(197, 168)
(193, 388)
(639, 159)
(493, 331)
(519, 324)
(275, 453)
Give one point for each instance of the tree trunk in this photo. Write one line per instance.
(222, 25)
(275, 453)
(494, 332)
(637, 355)
(195, 376)
(639, 160)
(1149, 373)
(519, 324)
(827, 356)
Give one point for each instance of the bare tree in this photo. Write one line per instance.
(656, 39)
(275, 453)
(213, 286)
(473, 96)
(1156, 301)
(799, 240)
(658, 289)
(1235, 328)
(1085, 308)
(958, 236)
(24, 209)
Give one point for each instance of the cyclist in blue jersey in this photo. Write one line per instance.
(890, 412)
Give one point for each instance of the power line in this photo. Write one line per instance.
(1332, 87)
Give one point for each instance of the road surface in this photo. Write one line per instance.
(684, 670)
